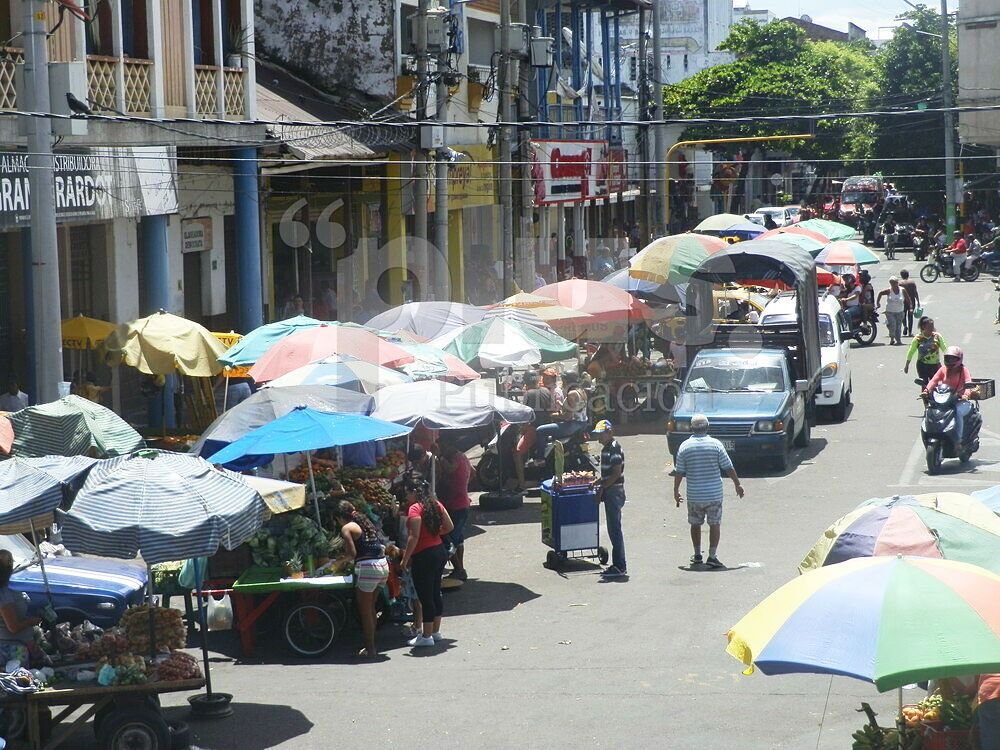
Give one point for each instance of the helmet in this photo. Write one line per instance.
(954, 352)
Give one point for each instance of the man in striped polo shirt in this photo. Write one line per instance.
(702, 460)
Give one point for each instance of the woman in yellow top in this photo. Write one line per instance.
(930, 346)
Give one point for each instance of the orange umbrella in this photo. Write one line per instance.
(313, 344)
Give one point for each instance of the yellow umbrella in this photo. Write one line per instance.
(163, 343)
(85, 333)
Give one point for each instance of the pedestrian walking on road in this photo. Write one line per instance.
(611, 490)
(896, 300)
(910, 287)
(929, 346)
(702, 460)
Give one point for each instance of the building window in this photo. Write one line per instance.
(668, 61)
(481, 44)
(685, 62)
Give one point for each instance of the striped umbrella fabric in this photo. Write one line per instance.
(26, 492)
(252, 346)
(674, 259)
(72, 426)
(161, 506)
(832, 229)
(505, 343)
(846, 253)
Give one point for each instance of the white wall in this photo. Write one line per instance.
(979, 70)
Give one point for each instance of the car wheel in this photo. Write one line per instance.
(805, 434)
(840, 410)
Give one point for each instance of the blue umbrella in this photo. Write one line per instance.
(745, 230)
(252, 346)
(990, 498)
(306, 429)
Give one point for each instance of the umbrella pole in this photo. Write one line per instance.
(41, 561)
(312, 481)
(202, 626)
(901, 725)
(225, 391)
(149, 603)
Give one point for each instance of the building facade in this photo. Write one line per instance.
(979, 71)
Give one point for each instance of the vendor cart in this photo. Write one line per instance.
(316, 608)
(125, 716)
(571, 523)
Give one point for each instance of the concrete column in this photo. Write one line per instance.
(456, 257)
(247, 199)
(117, 49)
(123, 283)
(27, 280)
(190, 98)
(220, 61)
(155, 251)
(249, 57)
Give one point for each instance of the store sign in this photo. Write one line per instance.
(617, 169)
(94, 185)
(471, 178)
(569, 171)
(197, 234)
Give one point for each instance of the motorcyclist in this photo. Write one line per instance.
(889, 233)
(850, 299)
(954, 374)
(867, 293)
(959, 249)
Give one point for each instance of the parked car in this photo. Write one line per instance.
(835, 346)
(83, 588)
(781, 216)
(795, 212)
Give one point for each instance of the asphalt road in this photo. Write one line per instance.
(538, 659)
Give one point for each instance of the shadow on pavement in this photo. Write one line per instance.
(529, 512)
(251, 725)
(484, 597)
(799, 457)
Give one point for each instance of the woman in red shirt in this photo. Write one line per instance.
(426, 522)
(954, 374)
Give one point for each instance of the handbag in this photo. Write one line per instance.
(918, 312)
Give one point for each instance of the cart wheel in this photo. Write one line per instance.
(13, 722)
(180, 735)
(310, 630)
(134, 729)
(552, 559)
(602, 555)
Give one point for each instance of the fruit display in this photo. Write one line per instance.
(935, 711)
(578, 478)
(126, 669)
(286, 536)
(85, 642)
(168, 628)
(375, 492)
(178, 666)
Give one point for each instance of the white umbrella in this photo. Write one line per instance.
(443, 406)
(344, 371)
(427, 319)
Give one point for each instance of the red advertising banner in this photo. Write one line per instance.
(569, 171)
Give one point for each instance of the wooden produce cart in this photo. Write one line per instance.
(125, 716)
(316, 608)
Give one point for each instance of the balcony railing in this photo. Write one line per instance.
(138, 84)
(205, 90)
(102, 82)
(236, 102)
(9, 58)
(102, 79)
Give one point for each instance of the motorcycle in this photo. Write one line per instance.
(938, 267)
(497, 463)
(939, 430)
(921, 245)
(865, 328)
(989, 262)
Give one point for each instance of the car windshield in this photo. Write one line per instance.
(19, 548)
(857, 198)
(731, 375)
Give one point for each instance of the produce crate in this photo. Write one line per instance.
(987, 387)
(947, 739)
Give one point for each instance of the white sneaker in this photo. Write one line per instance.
(421, 641)
(437, 637)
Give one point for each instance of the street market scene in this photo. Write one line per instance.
(499, 374)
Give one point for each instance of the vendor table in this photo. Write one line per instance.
(133, 704)
(571, 523)
(315, 617)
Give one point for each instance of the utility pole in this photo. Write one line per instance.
(419, 170)
(47, 333)
(644, 134)
(659, 133)
(526, 247)
(441, 264)
(506, 152)
(949, 120)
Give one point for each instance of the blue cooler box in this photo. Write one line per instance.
(570, 518)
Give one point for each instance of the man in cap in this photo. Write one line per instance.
(702, 460)
(611, 489)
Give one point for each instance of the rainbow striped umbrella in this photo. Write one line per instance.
(674, 259)
(946, 525)
(891, 621)
(846, 253)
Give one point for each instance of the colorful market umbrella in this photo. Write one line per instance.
(344, 371)
(72, 426)
(644, 290)
(719, 223)
(444, 406)
(796, 229)
(429, 362)
(505, 343)
(314, 344)
(427, 319)
(745, 230)
(603, 302)
(85, 333)
(891, 621)
(520, 315)
(846, 253)
(252, 346)
(807, 243)
(945, 525)
(990, 498)
(832, 229)
(545, 308)
(673, 259)
(163, 343)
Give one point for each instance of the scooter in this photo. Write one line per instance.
(865, 329)
(989, 262)
(939, 430)
(492, 474)
(938, 267)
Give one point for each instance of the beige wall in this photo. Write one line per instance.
(979, 70)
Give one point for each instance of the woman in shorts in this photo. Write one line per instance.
(371, 570)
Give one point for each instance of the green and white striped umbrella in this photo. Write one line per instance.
(72, 426)
(500, 342)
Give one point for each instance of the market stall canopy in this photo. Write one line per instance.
(990, 498)
(326, 340)
(719, 223)
(27, 494)
(161, 506)
(892, 621)
(504, 343)
(443, 406)
(269, 404)
(644, 290)
(72, 426)
(946, 525)
(545, 308)
(163, 344)
(430, 362)
(605, 303)
(85, 333)
(427, 319)
(802, 241)
(342, 370)
(305, 429)
(280, 497)
(252, 346)
(795, 229)
(846, 253)
(673, 259)
(832, 229)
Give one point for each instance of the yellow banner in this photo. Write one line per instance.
(229, 340)
(471, 178)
